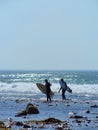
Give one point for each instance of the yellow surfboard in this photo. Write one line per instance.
(42, 88)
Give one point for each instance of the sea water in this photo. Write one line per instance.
(23, 83)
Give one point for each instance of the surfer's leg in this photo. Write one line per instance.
(49, 96)
(63, 94)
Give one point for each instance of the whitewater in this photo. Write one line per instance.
(23, 83)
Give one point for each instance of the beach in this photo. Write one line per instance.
(78, 112)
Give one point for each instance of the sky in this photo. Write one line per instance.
(48, 35)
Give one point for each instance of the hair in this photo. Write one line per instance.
(62, 80)
(46, 80)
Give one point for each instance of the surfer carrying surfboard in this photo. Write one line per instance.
(63, 87)
(47, 85)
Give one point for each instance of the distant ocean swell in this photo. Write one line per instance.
(73, 77)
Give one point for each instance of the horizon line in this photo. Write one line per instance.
(49, 70)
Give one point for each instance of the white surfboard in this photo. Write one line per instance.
(69, 89)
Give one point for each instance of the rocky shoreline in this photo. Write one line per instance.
(72, 114)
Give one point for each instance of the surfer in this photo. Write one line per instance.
(63, 87)
(47, 85)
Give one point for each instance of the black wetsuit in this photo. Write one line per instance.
(48, 90)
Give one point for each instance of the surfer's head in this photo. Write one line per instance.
(62, 80)
(46, 80)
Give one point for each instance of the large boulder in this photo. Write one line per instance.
(30, 109)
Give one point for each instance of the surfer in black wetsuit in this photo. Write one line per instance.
(47, 85)
(63, 87)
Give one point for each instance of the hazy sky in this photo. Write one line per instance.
(48, 35)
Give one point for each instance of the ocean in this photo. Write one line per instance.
(23, 83)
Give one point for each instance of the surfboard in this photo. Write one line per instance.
(69, 89)
(42, 88)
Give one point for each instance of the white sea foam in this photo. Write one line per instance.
(86, 88)
(32, 88)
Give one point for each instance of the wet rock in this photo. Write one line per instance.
(76, 116)
(20, 101)
(17, 101)
(2, 125)
(87, 102)
(26, 126)
(59, 128)
(19, 123)
(51, 121)
(22, 113)
(47, 121)
(94, 106)
(31, 109)
(87, 111)
(88, 121)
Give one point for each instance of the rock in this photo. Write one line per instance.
(26, 126)
(17, 101)
(94, 106)
(31, 109)
(76, 116)
(22, 113)
(87, 102)
(51, 121)
(19, 123)
(87, 111)
(2, 124)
